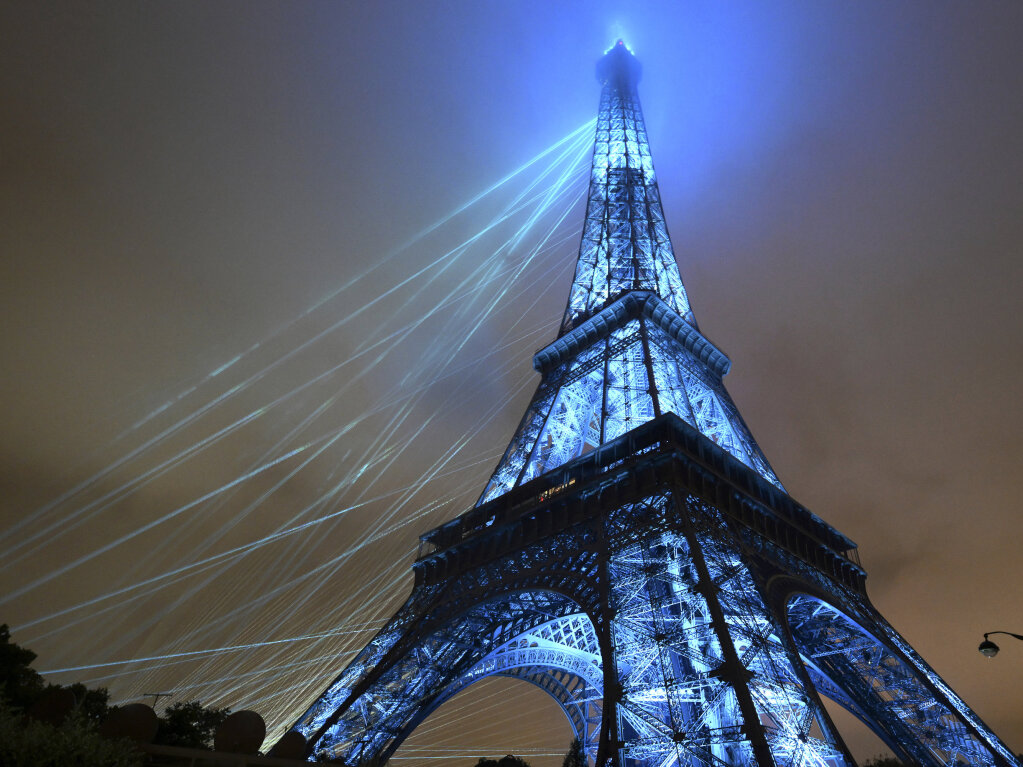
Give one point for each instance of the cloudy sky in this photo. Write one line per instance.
(248, 355)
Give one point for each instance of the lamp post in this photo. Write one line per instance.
(988, 648)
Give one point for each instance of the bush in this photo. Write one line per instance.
(27, 743)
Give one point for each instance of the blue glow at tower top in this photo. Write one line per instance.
(619, 66)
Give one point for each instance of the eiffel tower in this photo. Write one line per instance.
(635, 556)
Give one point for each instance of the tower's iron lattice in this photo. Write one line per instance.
(634, 554)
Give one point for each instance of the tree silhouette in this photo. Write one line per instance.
(575, 757)
(20, 684)
(504, 761)
(190, 725)
(71, 738)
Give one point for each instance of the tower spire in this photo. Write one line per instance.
(629, 348)
(625, 244)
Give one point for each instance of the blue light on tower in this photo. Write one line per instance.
(634, 555)
(627, 288)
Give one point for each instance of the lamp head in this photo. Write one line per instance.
(988, 648)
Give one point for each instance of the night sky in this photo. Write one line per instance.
(239, 188)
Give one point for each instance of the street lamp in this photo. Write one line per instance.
(988, 648)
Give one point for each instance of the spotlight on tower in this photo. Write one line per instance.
(988, 648)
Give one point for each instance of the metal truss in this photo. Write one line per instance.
(704, 676)
(625, 244)
(634, 555)
(634, 367)
(561, 657)
(637, 592)
(373, 706)
(876, 675)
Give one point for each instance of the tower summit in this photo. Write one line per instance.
(619, 66)
(635, 557)
(625, 244)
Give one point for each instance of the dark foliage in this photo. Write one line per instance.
(93, 705)
(504, 761)
(20, 684)
(71, 740)
(190, 725)
(575, 757)
(26, 742)
(887, 761)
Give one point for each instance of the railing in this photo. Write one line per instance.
(756, 502)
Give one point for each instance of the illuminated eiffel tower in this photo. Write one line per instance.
(634, 554)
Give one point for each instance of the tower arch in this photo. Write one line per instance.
(533, 634)
(858, 663)
(560, 657)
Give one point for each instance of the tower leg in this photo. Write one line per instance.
(418, 662)
(703, 674)
(643, 587)
(872, 671)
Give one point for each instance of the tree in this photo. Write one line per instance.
(190, 725)
(575, 757)
(94, 705)
(504, 761)
(26, 742)
(75, 740)
(20, 684)
(886, 761)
